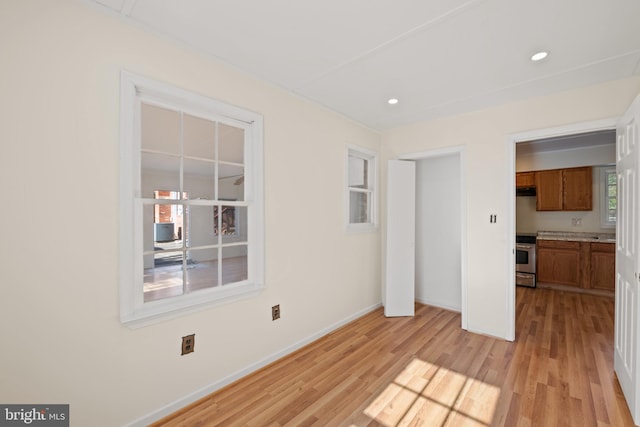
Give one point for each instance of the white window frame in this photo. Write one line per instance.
(604, 217)
(134, 312)
(371, 190)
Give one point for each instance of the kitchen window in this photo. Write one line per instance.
(608, 196)
(191, 224)
(361, 194)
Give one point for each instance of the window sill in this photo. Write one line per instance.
(170, 308)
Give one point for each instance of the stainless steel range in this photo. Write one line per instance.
(526, 260)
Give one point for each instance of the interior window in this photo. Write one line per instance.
(361, 191)
(190, 172)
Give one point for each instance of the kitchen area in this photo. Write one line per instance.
(566, 212)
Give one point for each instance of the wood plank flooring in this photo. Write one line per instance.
(426, 371)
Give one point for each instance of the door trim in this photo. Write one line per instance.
(458, 150)
(512, 139)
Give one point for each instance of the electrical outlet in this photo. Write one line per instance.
(188, 344)
(275, 312)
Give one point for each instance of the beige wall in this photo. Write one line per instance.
(484, 135)
(61, 337)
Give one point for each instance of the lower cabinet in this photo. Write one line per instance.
(603, 266)
(558, 262)
(584, 265)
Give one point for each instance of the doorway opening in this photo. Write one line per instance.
(523, 217)
(440, 244)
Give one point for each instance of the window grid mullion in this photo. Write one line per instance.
(181, 199)
(216, 147)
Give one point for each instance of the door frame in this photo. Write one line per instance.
(512, 140)
(458, 150)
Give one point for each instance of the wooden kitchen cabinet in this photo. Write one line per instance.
(577, 189)
(564, 189)
(603, 266)
(549, 190)
(582, 265)
(525, 179)
(558, 262)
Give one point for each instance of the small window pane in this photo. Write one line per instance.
(358, 171)
(234, 264)
(168, 226)
(164, 279)
(358, 207)
(241, 231)
(159, 171)
(231, 182)
(230, 144)
(225, 220)
(160, 129)
(202, 269)
(201, 230)
(148, 231)
(199, 137)
(199, 180)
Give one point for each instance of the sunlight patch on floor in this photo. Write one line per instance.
(427, 394)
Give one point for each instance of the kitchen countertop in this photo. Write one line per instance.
(577, 237)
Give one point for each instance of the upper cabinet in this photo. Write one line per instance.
(578, 189)
(549, 190)
(564, 189)
(525, 179)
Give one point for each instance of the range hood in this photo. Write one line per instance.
(525, 191)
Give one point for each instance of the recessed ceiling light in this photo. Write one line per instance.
(539, 56)
(393, 101)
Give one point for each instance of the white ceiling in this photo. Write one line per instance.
(438, 57)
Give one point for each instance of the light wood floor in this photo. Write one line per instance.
(426, 371)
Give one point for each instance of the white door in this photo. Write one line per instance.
(626, 305)
(401, 212)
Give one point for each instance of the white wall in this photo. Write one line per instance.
(484, 134)
(59, 164)
(598, 155)
(438, 232)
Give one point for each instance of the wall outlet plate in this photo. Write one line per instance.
(188, 344)
(275, 312)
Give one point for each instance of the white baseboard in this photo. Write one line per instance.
(438, 304)
(199, 394)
